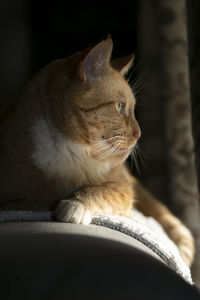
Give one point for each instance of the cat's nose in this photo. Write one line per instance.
(137, 135)
(136, 130)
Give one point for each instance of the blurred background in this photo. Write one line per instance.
(165, 37)
(34, 32)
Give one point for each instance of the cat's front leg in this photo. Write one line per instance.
(112, 198)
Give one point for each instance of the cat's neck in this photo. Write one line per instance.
(63, 158)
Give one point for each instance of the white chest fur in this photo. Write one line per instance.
(61, 157)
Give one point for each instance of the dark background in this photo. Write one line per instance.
(33, 33)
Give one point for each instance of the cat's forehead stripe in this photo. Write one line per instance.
(101, 105)
(97, 106)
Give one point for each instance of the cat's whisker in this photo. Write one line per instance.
(131, 157)
(138, 89)
(134, 155)
(138, 77)
(106, 154)
(131, 75)
(105, 146)
(140, 154)
(137, 154)
(135, 67)
(105, 149)
(98, 141)
(101, 149)
(110, 139)
(108, 145)
(110, 151)
(116, 147)
(137, 80)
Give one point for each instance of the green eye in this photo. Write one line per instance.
(120, 107)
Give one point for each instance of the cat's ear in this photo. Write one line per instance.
(95, 60)
(123, 64)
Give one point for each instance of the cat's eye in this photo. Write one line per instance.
(120, 107)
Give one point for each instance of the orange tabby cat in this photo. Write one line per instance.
(64, 144)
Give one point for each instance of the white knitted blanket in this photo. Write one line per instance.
(149, 232)
(144, 229)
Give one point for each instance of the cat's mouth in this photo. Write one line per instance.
(122, 150)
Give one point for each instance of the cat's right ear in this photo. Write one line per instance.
(94, 61)
(123, 64)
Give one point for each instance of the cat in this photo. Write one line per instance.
(65, 142)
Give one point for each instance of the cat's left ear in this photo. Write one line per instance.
(95, 60)
(123, 64)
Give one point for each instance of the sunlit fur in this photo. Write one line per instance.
(64, 145)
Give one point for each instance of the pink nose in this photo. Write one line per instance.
(137, 135)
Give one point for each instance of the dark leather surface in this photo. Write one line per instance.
(44, 260)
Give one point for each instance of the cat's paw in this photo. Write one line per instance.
(72, 212)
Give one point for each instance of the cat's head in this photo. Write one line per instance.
(92, 103)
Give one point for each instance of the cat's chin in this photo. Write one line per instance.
(123, 153)
(118, 157)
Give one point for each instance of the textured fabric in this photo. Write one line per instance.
(150, 233)
(144, 229)
(167, 130)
